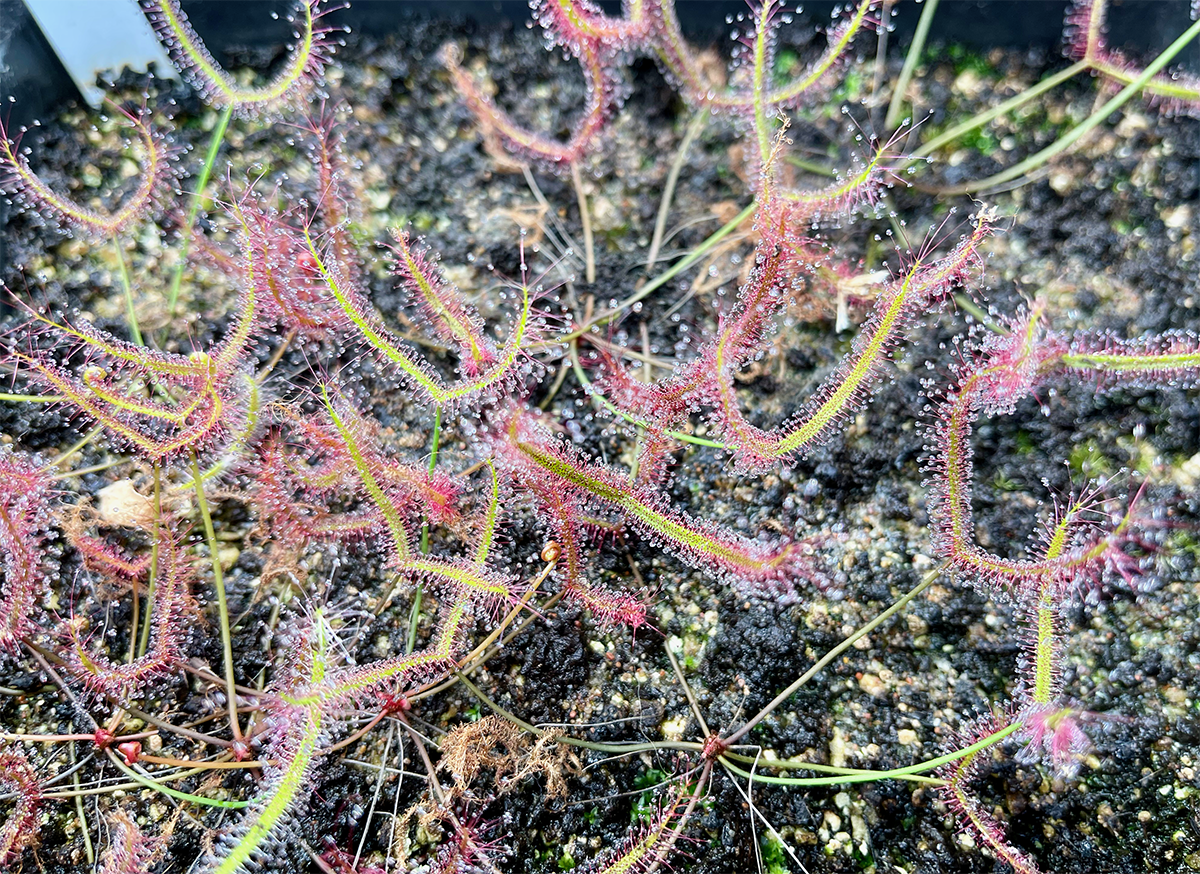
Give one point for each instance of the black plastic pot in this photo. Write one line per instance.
(32, 74)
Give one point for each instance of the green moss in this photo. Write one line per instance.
(981, 140)
(1004, 483)
(645, 807)
(851, 90)
(787, 66)
(1180, 541)
(774, 858)
(961, 58)
(424, 221)
(1088, 461)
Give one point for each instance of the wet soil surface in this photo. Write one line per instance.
(1108, 236)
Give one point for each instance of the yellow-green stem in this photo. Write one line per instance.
(81, 812)
(908, 772)
(210, 158)
(896, 106)
(167, 790)
(1071, 137)
(983, 118)
(414, 614)
(31, 399)
(835, 652)
(585, 218)
(130, 314)
(660, 223)
(222, 604)
(144, 642)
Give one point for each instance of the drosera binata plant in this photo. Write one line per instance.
(311, 428)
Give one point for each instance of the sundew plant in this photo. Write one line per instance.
(786, 531)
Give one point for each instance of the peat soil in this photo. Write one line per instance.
(1108, 235)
